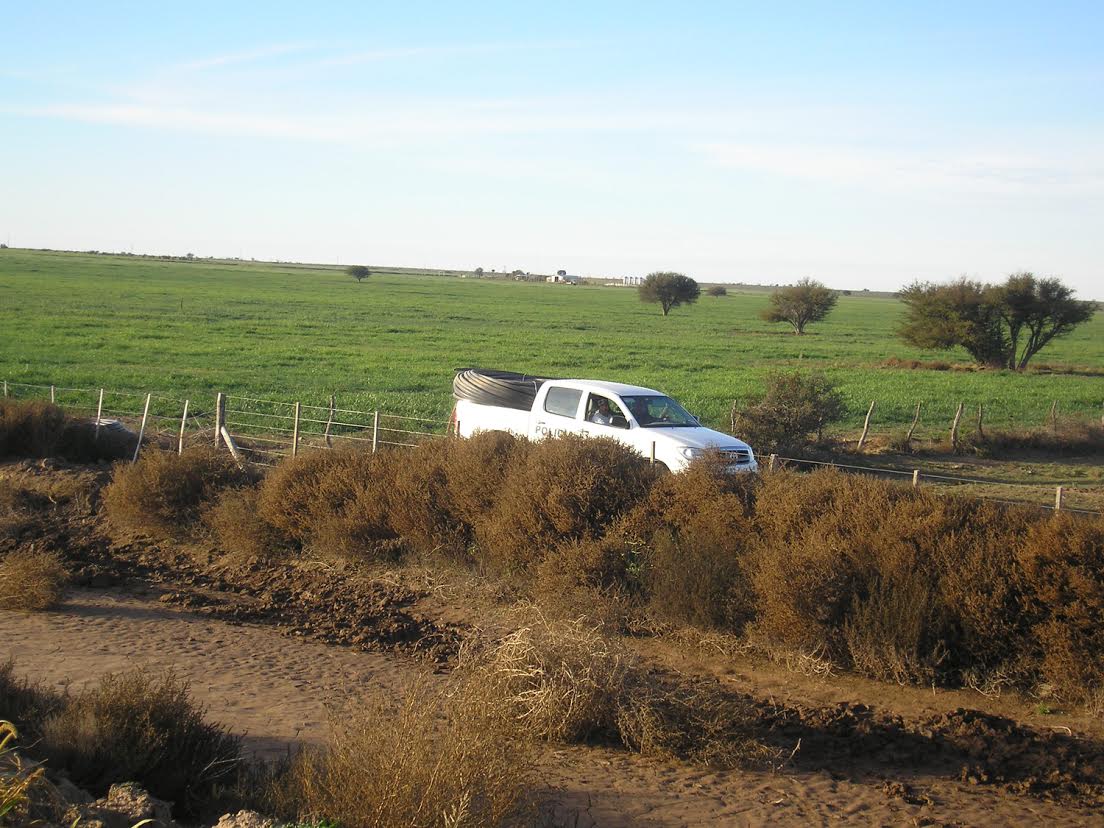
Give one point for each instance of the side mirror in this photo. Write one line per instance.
(619, 422)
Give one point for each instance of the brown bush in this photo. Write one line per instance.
(696, 530)
(475, 471)
(29, 428)
(134, 727)
(240, 530)
(163, 494)
(562, 490)
(25, 703)
(335, 502)
(32, 428)
(433, 757)
(31, 580)
(591, 579)
(843, 569)
(420, 498)
(1063, 561)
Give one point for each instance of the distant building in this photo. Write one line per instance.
(563, 279)
(632, 281)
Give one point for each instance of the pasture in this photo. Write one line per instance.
(288, 332)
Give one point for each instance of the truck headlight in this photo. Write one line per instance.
(689, 452)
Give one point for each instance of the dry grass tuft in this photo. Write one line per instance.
(163, 494)
(697, 724)
(31, 580)
(560, 680)
(436, 756)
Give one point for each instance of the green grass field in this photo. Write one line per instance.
(291, 332)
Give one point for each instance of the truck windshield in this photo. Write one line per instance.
(659, 412)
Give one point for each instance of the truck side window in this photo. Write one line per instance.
(563, 401)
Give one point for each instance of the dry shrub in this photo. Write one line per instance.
(17, 508)
(134, 727)
(698, 531)
(842, 567)
(25, 703)
(420, 509)
(695, 723)
(29, 428)
(32, 428)
(335, 502)
(163, 494)
(561, 490)
(560, 680)
(476, 470)
(592, 579)
(1063, 562)
(31, 580)
(1072, 437)
(433, 757)
(240, 530)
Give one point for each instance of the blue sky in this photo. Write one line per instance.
(864, 144)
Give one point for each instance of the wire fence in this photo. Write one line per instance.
(1064, 497)
(258, 430)
(263, 432)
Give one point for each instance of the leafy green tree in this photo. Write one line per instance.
(1001, 326)
(669, 289)
(795, 407)
(358, 272)
(807, 301)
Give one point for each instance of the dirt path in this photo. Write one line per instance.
(274, 687)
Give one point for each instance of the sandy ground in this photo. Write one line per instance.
(275, 687)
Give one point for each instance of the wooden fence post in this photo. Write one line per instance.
(225, 436)
(375, 430)
(981, 411)
(6, 393)
(912, 428)
(651, 457)
(733, 414)
(330, 419)
(142, 429)
(1053, 417)
(295, 432)
(1058, 499)
(915, 478)
(220, 417)
(770, 462)
(53, 396)
(183, 425)
(866, 427)
(99, 416)
(954, 427)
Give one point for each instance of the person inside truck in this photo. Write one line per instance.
(639, 408)
(602, 414)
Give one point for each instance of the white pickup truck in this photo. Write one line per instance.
(537, 407)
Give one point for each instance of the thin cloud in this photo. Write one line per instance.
(974, 172)
(249, 56)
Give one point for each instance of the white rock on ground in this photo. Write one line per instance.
(245, 819)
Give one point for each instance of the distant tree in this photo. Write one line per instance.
(669, 289)
(807, 301)
(358, 272)
(1002, 326)
(718, 290)
(561, 273)
(479, 271)
(3, 247)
